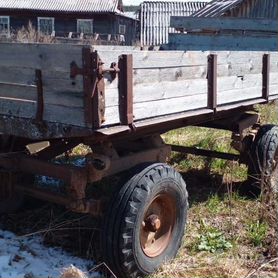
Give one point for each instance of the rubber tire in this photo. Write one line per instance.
(120, 238)
(263, 152)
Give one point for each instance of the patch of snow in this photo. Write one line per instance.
(44, 181)
(79, 162)
(22, 257)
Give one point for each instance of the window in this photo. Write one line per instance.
(46, 25)
(85, 26)
(122, 29)
(5, 25)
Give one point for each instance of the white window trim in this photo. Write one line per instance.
(82, 20)
(7, 17)
(52, 20)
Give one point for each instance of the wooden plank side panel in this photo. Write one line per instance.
(27, 109)
(228, 23)
(239, 88)
(273, 83)
(239, 79)
(150, 109)
(56, 57)
(63, 97)
(238, 95)
(164, 82)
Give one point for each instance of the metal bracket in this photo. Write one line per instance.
(93, 86)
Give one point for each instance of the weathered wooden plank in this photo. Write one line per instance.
(224, 23)
(273, 89)
(64, 98)
(239, 82)
(56, 57)
(168, 106)
(222, 42)
(18, 92)
(149, 109)
(145, 92)
(273, 83)
(52, 113)
(236, 95)
(142, 76)
(55, 80)
(160, 91)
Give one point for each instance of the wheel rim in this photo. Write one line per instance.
(157, 225)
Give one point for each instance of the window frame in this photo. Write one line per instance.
(79, 20)
(52, 24)
(9, 24)
(122, 26)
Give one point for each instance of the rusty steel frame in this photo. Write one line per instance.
(206, 153)
(77, 178)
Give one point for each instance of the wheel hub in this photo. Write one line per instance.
(152, 223)
(157, 225)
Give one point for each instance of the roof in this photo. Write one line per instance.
(218, 8)
(248, 8)
(182, 8)
(133, 15)
(86, 6)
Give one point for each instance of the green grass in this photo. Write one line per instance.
(226, 235)
(257, 232)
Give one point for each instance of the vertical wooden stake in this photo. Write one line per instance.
(40, 102)
(126, 89)
(212, 81)
(265, 73)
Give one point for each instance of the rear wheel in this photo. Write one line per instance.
(263, 168)
(145, 223)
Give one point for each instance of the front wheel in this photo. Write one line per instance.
(145, 223)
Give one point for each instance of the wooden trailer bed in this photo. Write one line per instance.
(118, 101)
(54, 90)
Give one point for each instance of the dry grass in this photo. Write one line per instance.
(247, 224)
(73, 272)
(218, 203)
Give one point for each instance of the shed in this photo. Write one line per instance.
(155, 19)
(66, 18)
(240, 8)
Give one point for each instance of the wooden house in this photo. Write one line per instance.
(69, 18)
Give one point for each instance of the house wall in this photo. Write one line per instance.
(103, 24)
(155, 19)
